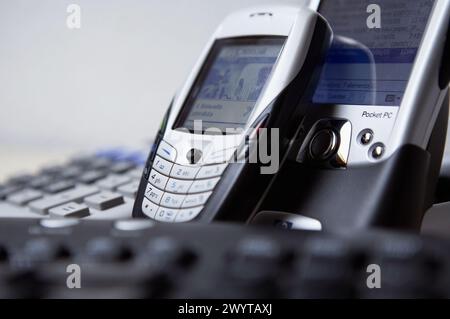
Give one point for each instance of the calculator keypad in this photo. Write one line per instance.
(177, 193)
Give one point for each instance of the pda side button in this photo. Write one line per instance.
(377, 151)
(366, 137)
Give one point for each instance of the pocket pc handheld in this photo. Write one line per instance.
(373, 135)
(251, 75)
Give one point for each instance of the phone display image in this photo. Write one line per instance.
(226, 93)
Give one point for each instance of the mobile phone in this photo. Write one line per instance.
(250, 77)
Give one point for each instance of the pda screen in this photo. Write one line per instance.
(373, 51)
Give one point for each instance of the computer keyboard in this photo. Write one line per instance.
(98, 186)
(140, 259)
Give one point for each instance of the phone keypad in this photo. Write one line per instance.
(186, 215)
(166, 215)
(149, 208)
(211, 171)
(158, 180)
(178, 186)
(177, 193)
(166, 151)
(184, 172)
(162, 166)
(205, 185)
(195, 200)
(153, 194)
(172, 200)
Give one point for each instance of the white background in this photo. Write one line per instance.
(64, 91)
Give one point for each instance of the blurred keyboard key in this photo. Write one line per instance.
(42, 206)
(91, 177)
(136, 172)
(24, 197)
(60, 186)
(121, 167)
(52, 170)
(99, 163)
(70, 210)
(130, 189)
(40, 182)
(111, 182)
(82, 160)
(8, 190)
(20, 179)
(104, 200)
(72, 172)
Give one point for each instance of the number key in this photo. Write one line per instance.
(184, 172)
(157, 179)
(163, 166)
(178, 186)
(153, 194)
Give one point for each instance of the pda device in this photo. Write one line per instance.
(372, 138)
(250, 77)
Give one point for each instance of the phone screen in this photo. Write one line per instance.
(229, 85)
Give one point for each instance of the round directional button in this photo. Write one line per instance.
(194, 155)
(323, 145)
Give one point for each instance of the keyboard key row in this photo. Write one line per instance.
(100, 201)
(8, 190)
(169, 215)
(121, 167)
(42, 206)
(92, 176)
(24, 197)
(104, 200)
(84, 186)
(60, 186)
(70, 210)
(113, 181)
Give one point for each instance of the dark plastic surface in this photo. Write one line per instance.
(215, 261)
(394, 193)
(444, 78)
